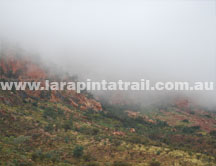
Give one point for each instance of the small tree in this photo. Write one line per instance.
(68, 125)
(213, 133)
(78, 151)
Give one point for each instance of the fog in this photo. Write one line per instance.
(119, 39)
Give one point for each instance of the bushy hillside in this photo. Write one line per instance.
(68, 129)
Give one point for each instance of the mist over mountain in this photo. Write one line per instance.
(119, 40)
(70, 41)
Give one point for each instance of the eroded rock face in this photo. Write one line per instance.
(118, 133)
(132, 130)
(182, 103)
(22, 68)
(132, 114)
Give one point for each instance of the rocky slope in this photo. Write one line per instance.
(64, 128)
(15, 67)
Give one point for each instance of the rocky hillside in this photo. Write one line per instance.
(63, 128)
(15, 67)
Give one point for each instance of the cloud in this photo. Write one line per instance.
(124, 39)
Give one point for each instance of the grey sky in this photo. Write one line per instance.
(118, 39)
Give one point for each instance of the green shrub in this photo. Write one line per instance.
(188, 130)
(92, 163)
(49, 112)
(49, 128)
(52, 156)
(213, 133)
(88, 157)
(158, 152)
(68, 125)
(155, 163)
(49, 156)
(35, 104)
(185, 121)
(21, 139)
(37, 155)
(78, 151)
(121, 163)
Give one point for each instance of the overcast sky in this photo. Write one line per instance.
(117, 39)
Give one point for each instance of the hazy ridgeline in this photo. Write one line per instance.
(113, 40)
